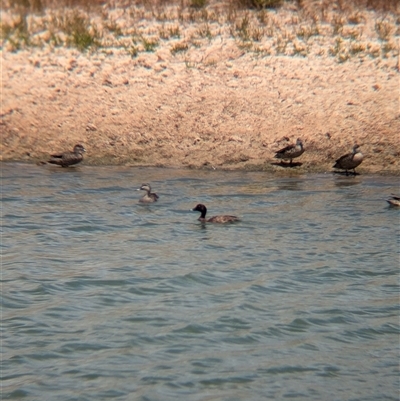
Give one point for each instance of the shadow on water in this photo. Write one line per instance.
(289, 185)
(287, 165)
(343, 181)
(345, 173)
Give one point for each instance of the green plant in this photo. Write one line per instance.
(149, 45)
(16, 32)
(132, 51)
(82, 34)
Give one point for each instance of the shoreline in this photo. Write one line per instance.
(267, 167)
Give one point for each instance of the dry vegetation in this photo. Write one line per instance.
(341, 29)
(201, 83)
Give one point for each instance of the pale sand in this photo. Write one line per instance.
(213, 107)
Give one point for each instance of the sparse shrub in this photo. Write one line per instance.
(80, 32)
(204, 31)
(174, 31)
(373, 50)
(242, 28)
(299, 49)
(356, 48)
(306, 31)
(260, 4)
(179, 48)
(384, 29)
(343, 57)
(257, 34)
(16, 32)
(132, 51)
(281, 45)
(387, 47)
(337, 24)
(149, 45)
(198, 3)
(353, 34)
(113, 27)
(335, 50)
(263, 17)
(355, 18)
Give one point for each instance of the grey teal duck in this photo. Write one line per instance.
(350, 161)
(148, 197)
(290, 152)
(69, 158)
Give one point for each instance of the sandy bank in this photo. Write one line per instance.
(217, 105)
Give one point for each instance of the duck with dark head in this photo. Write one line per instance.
(148, 197)
(68, 158)
(215, 219)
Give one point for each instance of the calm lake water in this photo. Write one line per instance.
(105, 298)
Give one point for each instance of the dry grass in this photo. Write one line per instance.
(340, 29)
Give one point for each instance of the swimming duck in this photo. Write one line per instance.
(67, 159)
(216, 219)
(290, 151)
(149, 196)
(350, 161)
(394, 200)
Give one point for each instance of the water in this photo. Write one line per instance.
(105, 298)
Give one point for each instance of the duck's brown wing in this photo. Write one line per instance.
(343, 159)
(284, 150)
(66, 159)
(223, 219)
(57, 156)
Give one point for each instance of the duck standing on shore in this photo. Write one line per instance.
(215, 219)
(290, 152)
(148, 197)
(350, 161)
(67, 159)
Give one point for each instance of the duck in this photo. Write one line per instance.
(350, 161)
(215, 219)
(394, 200)
(68, 158)
(148, 197)
(290, 151)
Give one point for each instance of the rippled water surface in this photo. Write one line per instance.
(105, 298)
